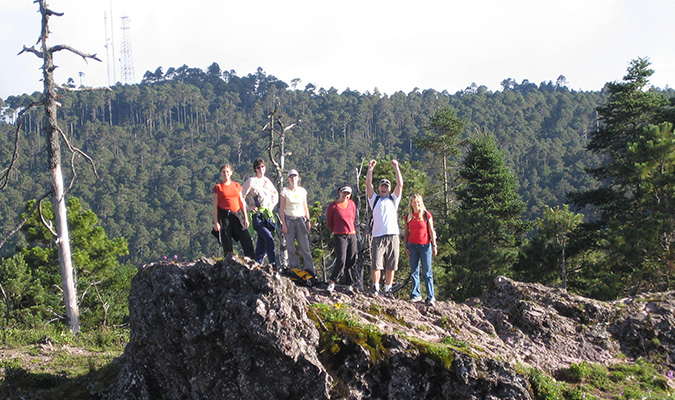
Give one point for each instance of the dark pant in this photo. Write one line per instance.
(345, 259)
(231, 228)
(265, 242)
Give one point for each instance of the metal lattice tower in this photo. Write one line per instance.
(127, 58)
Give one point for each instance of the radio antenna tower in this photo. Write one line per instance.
(127, 57)
(109, 47)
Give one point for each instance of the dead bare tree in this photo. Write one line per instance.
(277, 134)
(54, 136)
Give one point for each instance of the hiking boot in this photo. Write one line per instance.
(351, 289)
(416, 299)
(376, 292)
(388, 293)
(331, 287)
(431, 302)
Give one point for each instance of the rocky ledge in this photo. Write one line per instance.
(235, 329)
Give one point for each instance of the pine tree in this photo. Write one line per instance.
(487, 229)
(625, 208)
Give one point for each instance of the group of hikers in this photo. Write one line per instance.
(239, 210)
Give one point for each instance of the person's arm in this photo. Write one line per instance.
(406, 234)
(242, 204)
(308, 222)
(245, 189)
(370, 191)
(398, 190)
(216, 224)
(432, 235)
(274, 194)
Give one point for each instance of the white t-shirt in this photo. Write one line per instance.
(262, 190)
(295, 201)
(385, 215)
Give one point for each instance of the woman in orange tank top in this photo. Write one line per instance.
(230, 219)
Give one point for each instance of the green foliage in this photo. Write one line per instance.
(634, 220)
(546, 253)
(24, 297)
(157, 147)
(442, 138)
(639, 380)
(31, 277)
(487, 228)
(46, 367)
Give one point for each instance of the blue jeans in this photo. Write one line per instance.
(421, 253)
(265, 243)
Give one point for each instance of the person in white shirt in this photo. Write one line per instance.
(261, 198)
(295, 223)
(386, 242)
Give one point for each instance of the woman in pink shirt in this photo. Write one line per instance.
(340, 217)
(420, 244)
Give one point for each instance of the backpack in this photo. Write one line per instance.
(301, 277)
(372, 210)
(377, 198)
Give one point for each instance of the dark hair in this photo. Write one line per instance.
(257, 162)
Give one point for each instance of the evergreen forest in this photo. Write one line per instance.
(157, 147)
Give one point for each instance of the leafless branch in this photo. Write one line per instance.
(74, 150)
(50, 12)
(31, 49)
(4, 179)
(72, 171)
(292, 125)
(85, 56)
(15, 230)
(42, 218)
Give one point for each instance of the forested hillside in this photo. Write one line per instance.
(157, 145)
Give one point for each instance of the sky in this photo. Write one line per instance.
(363, 45)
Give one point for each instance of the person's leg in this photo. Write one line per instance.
(391, 260)
(377, 261)
(427, 274)
(269, 245)
(225, 232)
(241, 235)
(350, 258)
(258, 226)
(293, 260)
(375, 275)
(414, 250)
(303, 243)
(340, 244)
(246, 243)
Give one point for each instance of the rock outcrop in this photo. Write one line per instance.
(233, 330)
(219, 331)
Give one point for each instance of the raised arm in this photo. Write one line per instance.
(369, 180)
(398, 190)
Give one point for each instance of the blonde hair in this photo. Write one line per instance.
(411, 211)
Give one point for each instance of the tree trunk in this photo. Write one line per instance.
(54, 162)
(445, 188)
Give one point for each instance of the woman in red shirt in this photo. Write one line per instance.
(420, 244)
(230, 218)
(340, 217)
